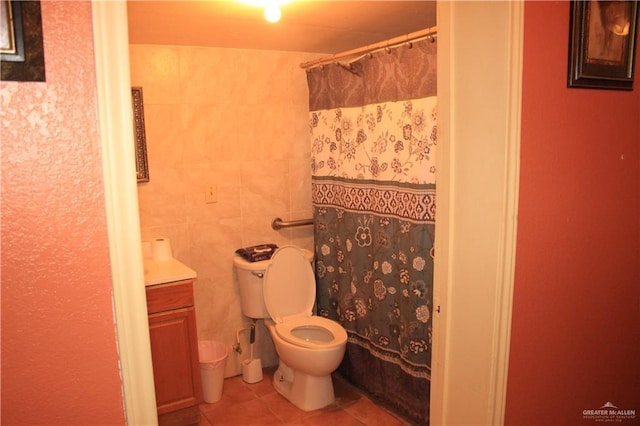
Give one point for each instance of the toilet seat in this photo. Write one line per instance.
(312, 332)
(289, 295)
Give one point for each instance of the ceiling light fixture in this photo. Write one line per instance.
(272, 11)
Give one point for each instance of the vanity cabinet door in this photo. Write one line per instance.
(174, 352)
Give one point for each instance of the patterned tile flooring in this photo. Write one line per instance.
(259, 404)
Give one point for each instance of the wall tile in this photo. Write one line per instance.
(155, 68)
(265, 187)
(236, 119)
(207, 75)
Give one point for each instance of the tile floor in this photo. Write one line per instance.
(259, 404)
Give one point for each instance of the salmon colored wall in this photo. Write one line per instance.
(576, 317)
(59, 355)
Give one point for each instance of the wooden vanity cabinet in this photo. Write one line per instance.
(174, 352)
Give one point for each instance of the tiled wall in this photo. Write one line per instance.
(236, 119)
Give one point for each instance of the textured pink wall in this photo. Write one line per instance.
(59, 355)
(576, 314)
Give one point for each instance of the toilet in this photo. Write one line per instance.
(282, 291)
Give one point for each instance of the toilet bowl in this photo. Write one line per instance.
(309, 347)
(304, 374)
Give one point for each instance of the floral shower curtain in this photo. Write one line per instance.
(373, 132)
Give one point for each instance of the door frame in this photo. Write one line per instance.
(480, 49)
(113, 81)
(478, 42)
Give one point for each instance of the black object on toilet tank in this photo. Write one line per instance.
(257, 253)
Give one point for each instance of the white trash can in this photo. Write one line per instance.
(213, 360)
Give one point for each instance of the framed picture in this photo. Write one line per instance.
(602, 44)
(21, 45)
(142, 166)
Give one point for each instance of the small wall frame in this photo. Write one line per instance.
(21, 43)
(602, 44)
(142, 166)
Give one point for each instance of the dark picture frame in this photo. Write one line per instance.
(21, 44)
(602, 44)
(140, 138)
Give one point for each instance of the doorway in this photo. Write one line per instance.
(472, 294)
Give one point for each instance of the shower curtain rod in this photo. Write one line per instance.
(407, 38)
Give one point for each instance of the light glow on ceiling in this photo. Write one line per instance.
(272, 12)
(271, 8)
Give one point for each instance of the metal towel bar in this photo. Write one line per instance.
(279, 223)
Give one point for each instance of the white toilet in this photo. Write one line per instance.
(282, 291)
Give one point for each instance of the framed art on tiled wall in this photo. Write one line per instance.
(140, 138)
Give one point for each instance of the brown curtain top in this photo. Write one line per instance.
(397, 74)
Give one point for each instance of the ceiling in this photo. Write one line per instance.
(316, 26)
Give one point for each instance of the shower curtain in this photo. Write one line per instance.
(373, 133)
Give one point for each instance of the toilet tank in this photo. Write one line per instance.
(250, 279)
(250, 282)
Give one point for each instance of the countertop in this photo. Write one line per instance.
(166, 271)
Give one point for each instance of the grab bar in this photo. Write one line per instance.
(279, 223)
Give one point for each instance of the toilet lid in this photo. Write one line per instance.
(289, 284)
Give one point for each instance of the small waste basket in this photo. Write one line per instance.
(213, 359)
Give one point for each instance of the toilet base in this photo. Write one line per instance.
(306, 392)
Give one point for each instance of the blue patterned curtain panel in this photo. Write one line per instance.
(374, 137)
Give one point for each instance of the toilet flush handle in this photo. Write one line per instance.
(258, 274)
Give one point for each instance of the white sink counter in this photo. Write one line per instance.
(166, 271)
